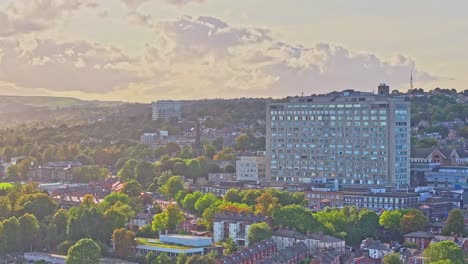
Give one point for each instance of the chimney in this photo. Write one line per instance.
(383, 89)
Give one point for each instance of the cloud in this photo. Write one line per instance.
(66, 66)
(26, 16)
(205, 56)
(134, 4)
(198, 57)
(140, 19)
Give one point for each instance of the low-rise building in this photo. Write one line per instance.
(322, 198)
(421, 238)
(294, 254)
(141, 219)
(174, 245)
(315, 243)
(380, 200)
(256, 253)
(251, 168)
(235, 226)
(376, 249)
(448, 177)
(412, 256)
(55, 171)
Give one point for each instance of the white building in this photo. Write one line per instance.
(251, 168)
(235, 226)
(149, 139)
(285, 238)
(166, 110)
(376, 249)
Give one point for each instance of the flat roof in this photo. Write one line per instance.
(157, 243)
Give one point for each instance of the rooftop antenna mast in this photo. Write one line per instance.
(411, 80)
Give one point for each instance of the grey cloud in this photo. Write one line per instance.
(235, 61)
(134, 4)
(26, 16)
(79, 66)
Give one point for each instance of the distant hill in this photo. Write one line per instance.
(17, 110)
(14, 104)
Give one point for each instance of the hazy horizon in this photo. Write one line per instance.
(145, 50)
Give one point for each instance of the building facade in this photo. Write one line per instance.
(251, 168)
(390, 200)
(354, 137)
(166, 110)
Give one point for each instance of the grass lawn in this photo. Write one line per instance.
(158, 243)
(5, 185)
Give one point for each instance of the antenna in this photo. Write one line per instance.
(411, 80)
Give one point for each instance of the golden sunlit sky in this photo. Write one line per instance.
(145, 50)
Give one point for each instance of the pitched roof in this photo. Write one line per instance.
(377, 245)
(286, 254)
(421, 152)
(420, 234)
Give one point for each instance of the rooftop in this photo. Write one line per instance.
(159, 244)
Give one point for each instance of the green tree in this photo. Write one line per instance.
(179, 168)
(132, 188)
(144, 173)
(193, 169)
(115, 197)
(242, 142)
(258, 232)
(128, 170)
(229, 246)
(209, 150)
(8, 153)
(11, 234)
(163, 258)
(172, 148)
(455, 223)
(393, 258)
(173, 186)
(197, 259)
(414, 220)
(391, 220)
(296, 216)
(151, 258)
(29, 230)
(181, 258)
(40, 205)
(168, 219)
(5, 207)
(204, 202)
(190, 199)
(124, 242)
(233, 196)
(442, 251)
(85, 251)
(368, 223)
(229, 169)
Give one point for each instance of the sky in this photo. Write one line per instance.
(146, 50)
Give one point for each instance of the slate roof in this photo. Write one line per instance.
(377, 245)
(286, 254)
(294, 234)
(420, 234)
(248, 252)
